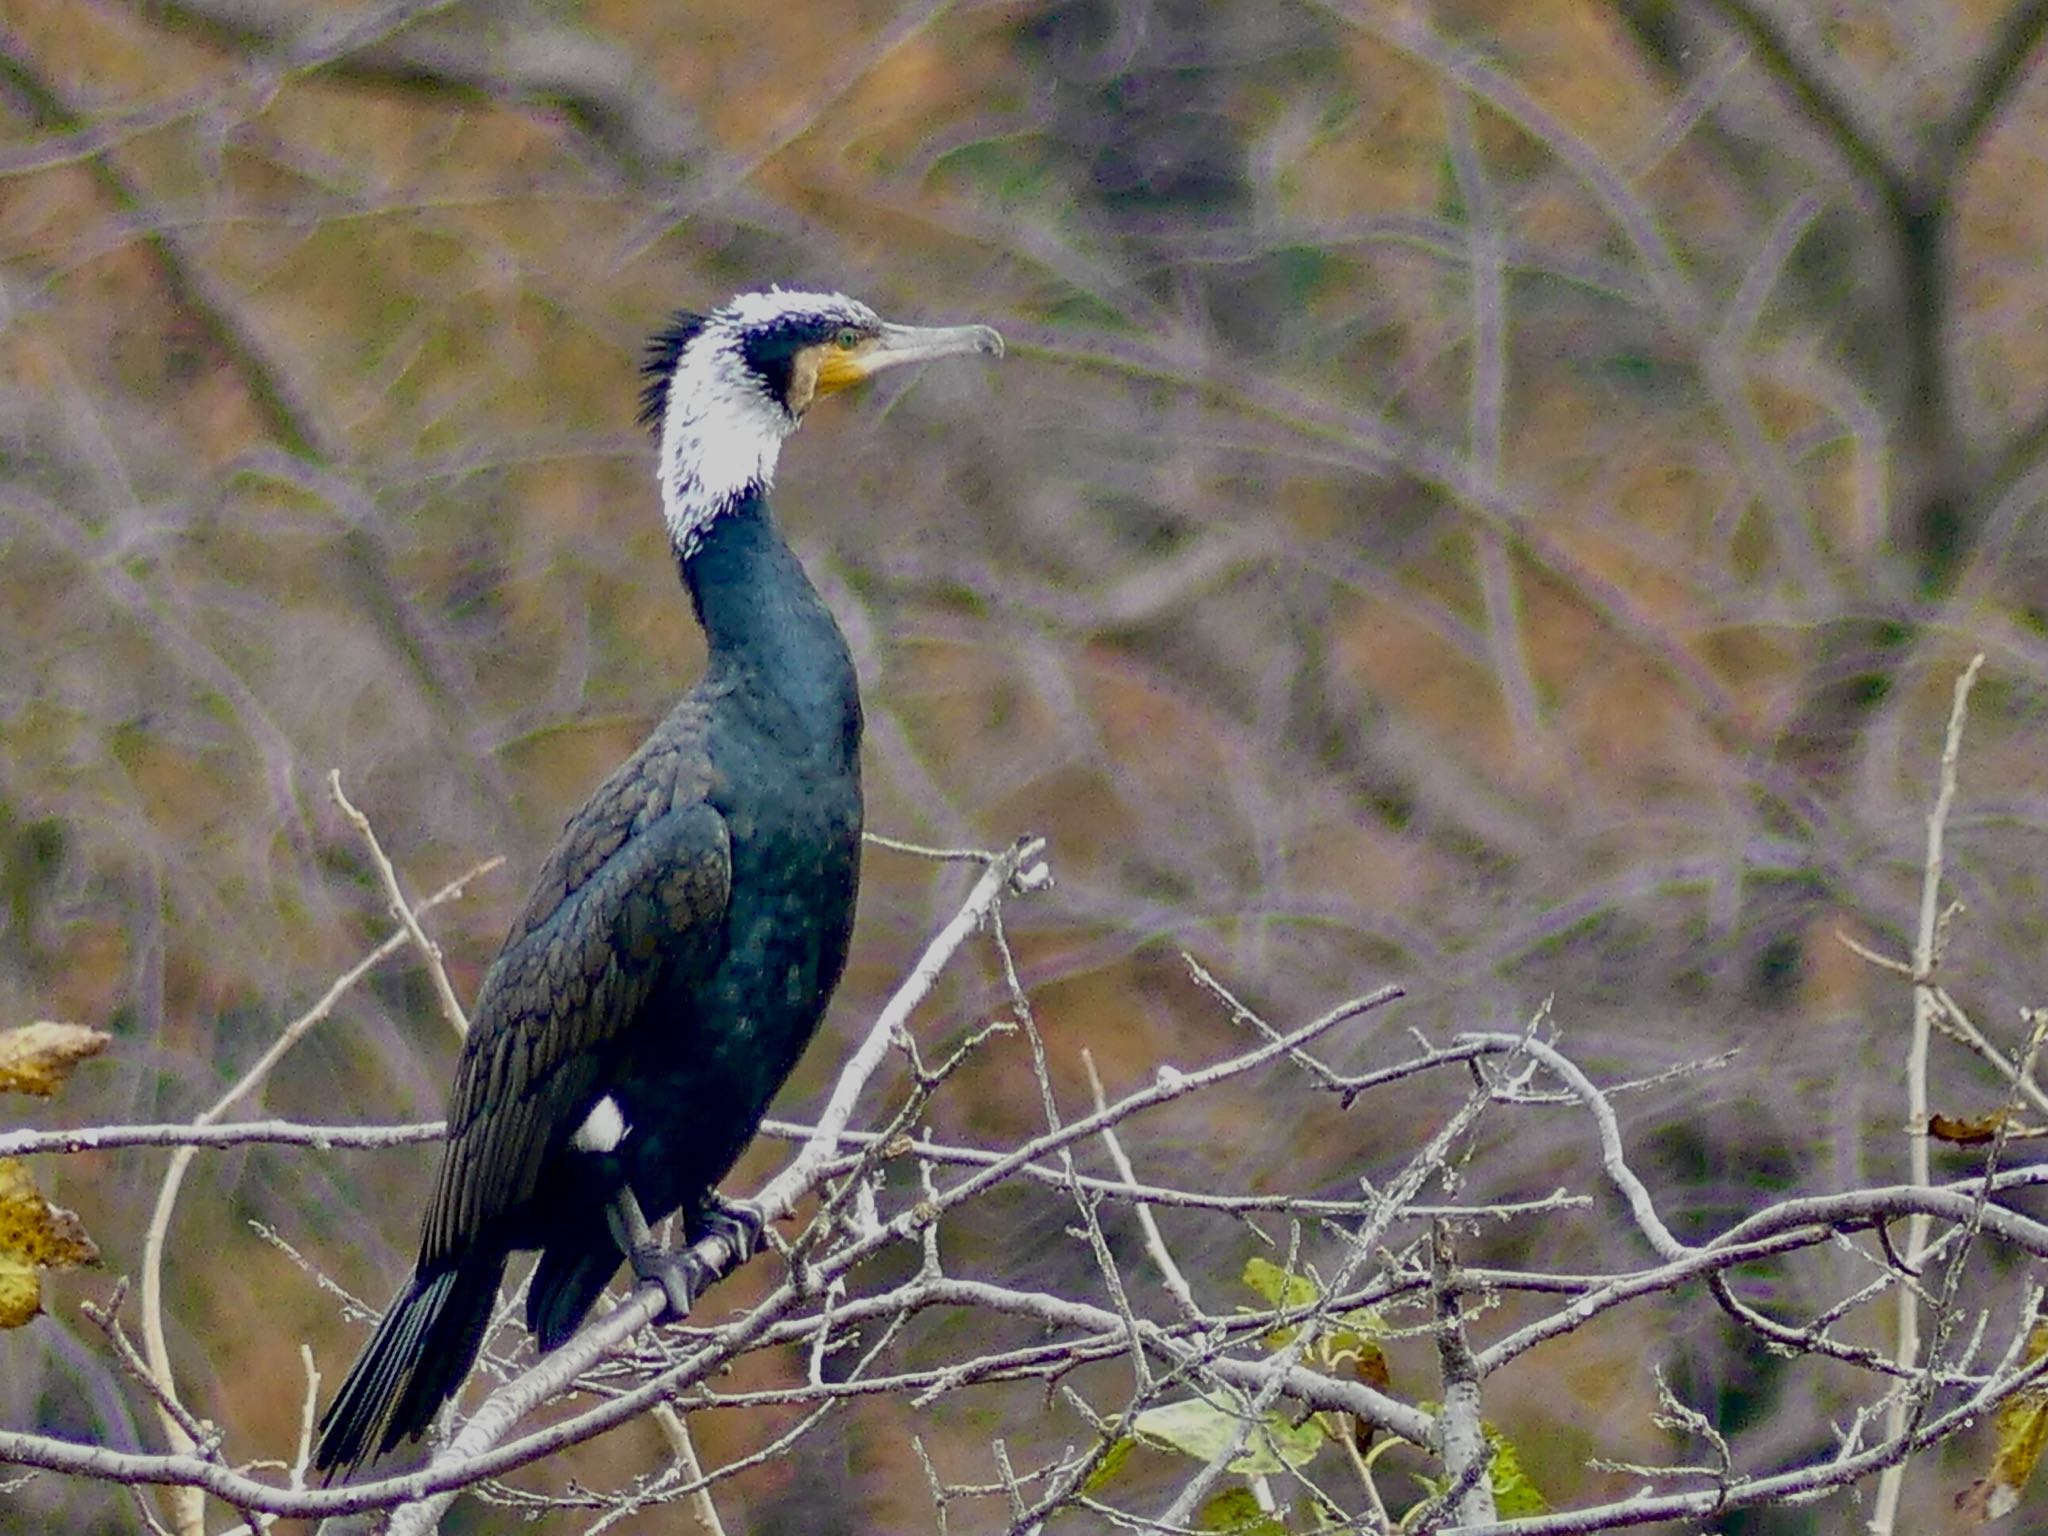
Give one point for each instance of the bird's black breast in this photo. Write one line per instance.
(693, 1095)
(684, 936)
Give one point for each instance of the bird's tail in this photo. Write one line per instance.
(572, 1273)
(415, 1361)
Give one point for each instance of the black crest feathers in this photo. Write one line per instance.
(664, 351)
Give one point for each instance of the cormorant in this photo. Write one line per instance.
(680, 945)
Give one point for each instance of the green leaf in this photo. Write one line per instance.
(1277, 1287)
(1200, 1428)
(1112, 1462)
(1514, 1496)
(1353, 1344)
(1236, 1511)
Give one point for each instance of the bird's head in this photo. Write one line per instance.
(724, 389)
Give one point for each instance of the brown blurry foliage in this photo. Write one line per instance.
(1489, 496)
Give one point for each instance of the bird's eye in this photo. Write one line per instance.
(847, 339)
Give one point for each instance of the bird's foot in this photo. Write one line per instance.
(681, 1276)
(739, 1223)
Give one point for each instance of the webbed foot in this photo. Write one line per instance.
(681, 1276)
(739, 1223)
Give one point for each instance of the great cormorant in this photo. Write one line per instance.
(680, 945)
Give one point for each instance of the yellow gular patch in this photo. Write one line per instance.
(838, 367)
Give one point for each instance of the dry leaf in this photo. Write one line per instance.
(34, 1236)
(2022, 1429)
(1972, 1130)
(1370, 1367)
(36, 1058)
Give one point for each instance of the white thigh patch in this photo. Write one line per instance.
(602, 1129)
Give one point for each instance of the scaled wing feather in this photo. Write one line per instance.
(554, 1005)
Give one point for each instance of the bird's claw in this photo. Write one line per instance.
(681, 1276)
(737, 1223)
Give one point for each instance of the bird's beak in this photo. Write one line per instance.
(894, 345)
(919, 343)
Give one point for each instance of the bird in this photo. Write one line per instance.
(683, 938)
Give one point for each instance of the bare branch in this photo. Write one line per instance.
(518, 55)
(1906, 1344)
(1461, 1428)
(1155, 1243)
(240, 1133)
(430, 952)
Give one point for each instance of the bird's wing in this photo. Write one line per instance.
(569, 983)
(667, 772)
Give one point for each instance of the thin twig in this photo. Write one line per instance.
(921, 851)
(703, 1509)
(1906, 1343)
(1953, 1022)
(214, 1138)
(1170, 1274)
(309, 1413)
(430, 952)
(107, 1320)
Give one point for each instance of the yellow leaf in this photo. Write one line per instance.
(2022, 1429)
(36, 1058)
(1236, 1510)
(1972, 1130)
(34, 1236)
(1277, 1286)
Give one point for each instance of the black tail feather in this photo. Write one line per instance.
(416, 1360)
(566, 1283)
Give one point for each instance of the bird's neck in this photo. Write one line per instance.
(720, 439)
(773, 641)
